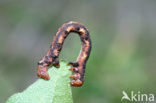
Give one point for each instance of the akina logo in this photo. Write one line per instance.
(137, 96)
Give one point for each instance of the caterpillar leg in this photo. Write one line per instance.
(74, 64)
(56, 63)
(76, 82)
(76, 76)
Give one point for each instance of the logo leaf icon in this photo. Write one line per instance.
(125, 96)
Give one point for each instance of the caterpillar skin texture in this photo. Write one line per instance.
(52, 56)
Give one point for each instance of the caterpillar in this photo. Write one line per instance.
(52, 56)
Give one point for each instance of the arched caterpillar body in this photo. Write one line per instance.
(56, 46)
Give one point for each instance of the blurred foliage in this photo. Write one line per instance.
(123, 37)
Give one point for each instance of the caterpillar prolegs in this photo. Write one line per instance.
(52, 56)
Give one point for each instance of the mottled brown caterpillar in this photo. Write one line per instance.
(52, 56)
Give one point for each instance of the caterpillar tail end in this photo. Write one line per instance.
(76, 83)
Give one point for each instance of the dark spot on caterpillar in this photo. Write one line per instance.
(47, 62)
(86, 38)
(75, 64)
(56, 63)
(77, 28)
(56, 46)
(66, 32)
(40, 63)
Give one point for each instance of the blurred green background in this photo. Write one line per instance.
(123, 34)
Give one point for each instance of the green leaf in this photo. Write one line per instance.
(55, 90)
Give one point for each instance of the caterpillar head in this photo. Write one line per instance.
(42, 72)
